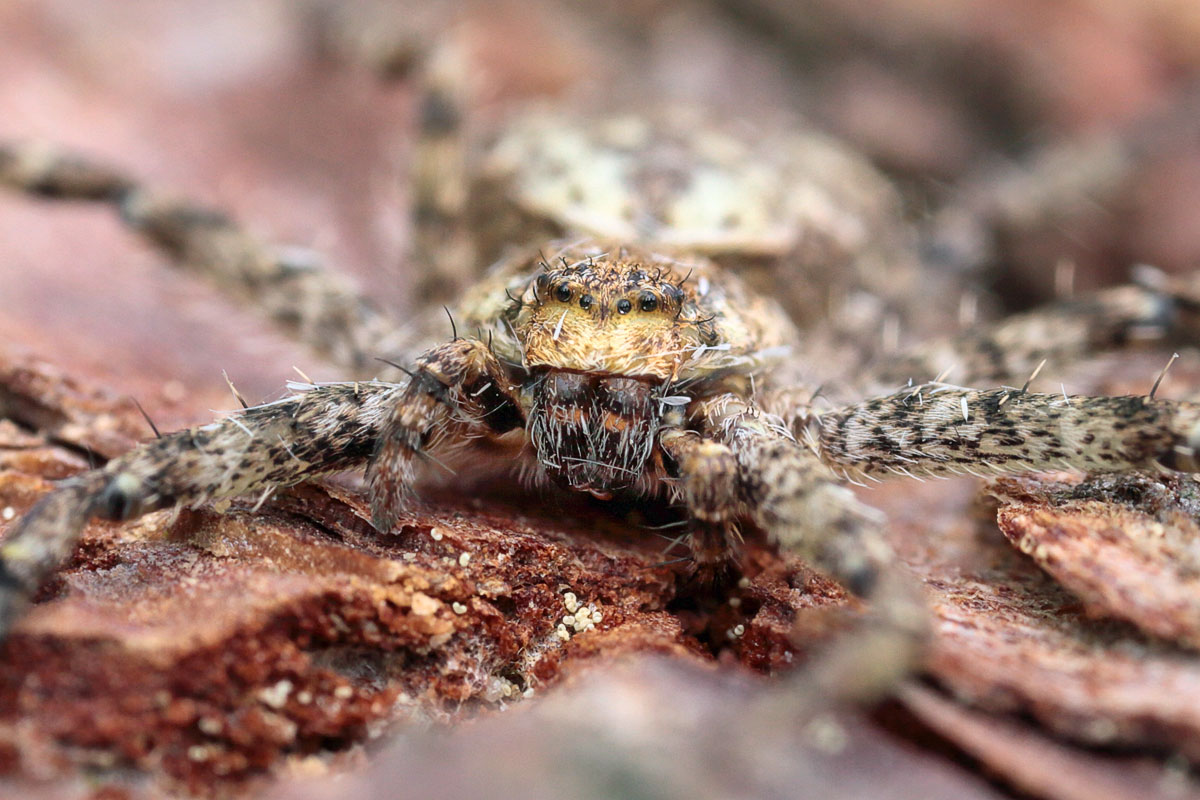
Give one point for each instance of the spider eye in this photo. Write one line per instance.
(647, 302)
(586, 301)
(563, 293)
(624, 306)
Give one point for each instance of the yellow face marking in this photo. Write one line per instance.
(617, 316)
(600, 308)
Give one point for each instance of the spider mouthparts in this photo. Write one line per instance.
(593, 432)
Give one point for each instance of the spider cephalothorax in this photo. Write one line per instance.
(600, 351)
(605, 340)
(632, 314)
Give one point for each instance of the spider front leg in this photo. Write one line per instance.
(708, 486)
(255, 451)
(746, 463)
(939, 430)
(459, 390)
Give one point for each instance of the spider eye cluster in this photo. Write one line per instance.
(647, 299)
(663, 297)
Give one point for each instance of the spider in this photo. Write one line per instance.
(616, 367)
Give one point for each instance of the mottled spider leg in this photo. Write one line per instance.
(419, 43)
(1005, 202)
(443, 246)
(459, 390)
(937, 430)
(324, 429)
(386, 39)
(707, 475)
(1009, 351)
(786, 489)
(315, 305)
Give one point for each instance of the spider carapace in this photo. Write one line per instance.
(604, 354)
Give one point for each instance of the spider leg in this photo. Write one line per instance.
(459, 390)
(1011, 351)
(421, 44)
(997, 204)
(938, 430)
(442, 243)
(387, 40)
(747, 463)
(325, 429)
(708, 486)
(319, 307)
(1059, 333)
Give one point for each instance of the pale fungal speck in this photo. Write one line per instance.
(435, 534)
(423, 605)
(583, 619)
(276, 695)
(343, 692)
(458, 608)
(464, 559)
(8, 513)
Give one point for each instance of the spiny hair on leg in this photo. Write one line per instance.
(325, 428)
(943, 430)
